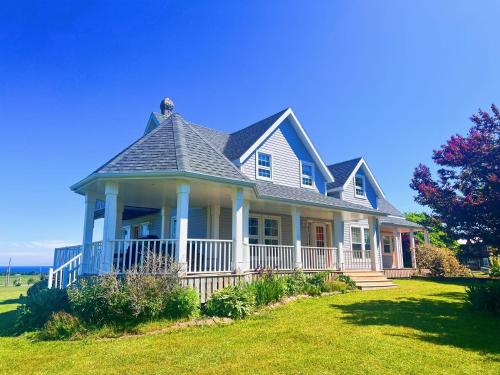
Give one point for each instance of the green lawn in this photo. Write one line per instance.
(420, 327)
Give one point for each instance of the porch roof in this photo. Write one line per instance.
(399, 222)
(268, 190)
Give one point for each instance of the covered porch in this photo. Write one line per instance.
(208, 228)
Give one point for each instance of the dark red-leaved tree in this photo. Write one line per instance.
(466, 194)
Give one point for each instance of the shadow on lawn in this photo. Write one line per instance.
(439, 321)
(8, 319)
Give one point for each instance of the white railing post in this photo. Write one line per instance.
(297, 241)
(51, 278)
(246, 239)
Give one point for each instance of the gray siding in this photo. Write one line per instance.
(225, 223)
(287, 151)
(154, 223)
(371, 195)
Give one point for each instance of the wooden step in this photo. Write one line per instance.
(370, 280)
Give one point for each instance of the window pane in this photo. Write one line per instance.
(356, 235)
(253, 241)
(264, 173)
(270, 241)
(270, 227)
(367, 239)
(264, 160)
(253, 226)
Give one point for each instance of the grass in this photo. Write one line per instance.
(24, 279)
(421, 327)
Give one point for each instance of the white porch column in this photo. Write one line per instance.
(165, 222)
(398, 248)
(246, 237)
(339, 239)
(412, 251)
(181, 229)
(214, 221)
(110, 226)
(296, 237)
(375, 253)
(88, 230)
(237, 230)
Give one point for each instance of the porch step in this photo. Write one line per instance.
(370, 280)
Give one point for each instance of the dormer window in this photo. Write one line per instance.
(264, 166)
(306, 174)
(360, 186)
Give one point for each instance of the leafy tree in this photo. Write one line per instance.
(438, 236)
(466, 194)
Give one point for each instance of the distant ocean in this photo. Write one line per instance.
(24, 269)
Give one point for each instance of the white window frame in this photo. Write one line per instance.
(253, 236)
(363, 243)
(312, 186)
(261, 237)
(173, 226)
(363, 178)
(257, 166)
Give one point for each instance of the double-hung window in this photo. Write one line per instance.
(253, 229)
(306, 174)
(360, 242)
(264, 166)
(271, 231)
(359, 186)
(264, 230)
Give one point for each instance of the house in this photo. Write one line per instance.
(224, 205)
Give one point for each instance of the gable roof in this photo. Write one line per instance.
(344, 168)
(385, 206)
(341, 172)
(173, 146)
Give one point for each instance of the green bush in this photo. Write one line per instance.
(61, 326)
(39, 305)
(334, 286)
(234, 302)
(17, 282)
(269, 288)
(440, 262)
(494, 266)
(485, 296)
(312, 290)
(31, 281)
(351, 284)
(182, 303)
(295, 283)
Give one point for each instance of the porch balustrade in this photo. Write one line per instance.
(279, 257)
(357, 259)
(66, 274)
(319, 258)
(209, 255)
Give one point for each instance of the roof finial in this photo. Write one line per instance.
(167, 106)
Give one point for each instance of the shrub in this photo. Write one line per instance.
(60, 326)
(147, 295)
(440, 262)
(318, 279)
(17, 282)
(351, 284)
(182, 303)
(100, 300)
(334, 286)
(494, 266)
(39, 304)
(234, 302)
(312, 290)
(485, 296)
(295, 283)
(31, 281)
(269, 288)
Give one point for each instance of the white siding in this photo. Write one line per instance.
(369, 201)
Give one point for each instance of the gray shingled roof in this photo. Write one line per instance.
(175, 145)
(385, 206)
(288, 193)
(399, 222)
(235, 144)
(341, 172)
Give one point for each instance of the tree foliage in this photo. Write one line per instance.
(437, 232)
(466, 193)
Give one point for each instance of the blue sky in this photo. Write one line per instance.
(387, 80)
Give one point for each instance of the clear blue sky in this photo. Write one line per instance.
(388, 80)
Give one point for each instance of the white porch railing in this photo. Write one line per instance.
(141, 255)
(209, 255)
(63, 254)
(319, 258)
(93, 257)
(66, 274)
(272, 256)
(357, 260)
